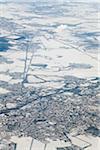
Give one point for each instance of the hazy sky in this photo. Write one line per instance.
(51, 0)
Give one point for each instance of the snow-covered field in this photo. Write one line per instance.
(42, 43)
(63, 38)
